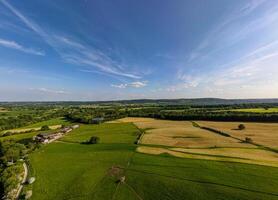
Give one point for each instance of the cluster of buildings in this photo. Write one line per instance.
(50, 137)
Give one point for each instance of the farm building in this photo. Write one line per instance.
(66, 130)
(49, 137)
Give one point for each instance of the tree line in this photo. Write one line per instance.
(26, 118)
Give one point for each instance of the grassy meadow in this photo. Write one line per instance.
(20, 137)
(52, 123)
(256, 110)
(83, 168)
(67, 169)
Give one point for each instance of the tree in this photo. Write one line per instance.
(10, 151)
(241, 127)
(248, 140)
(45, 128)
(93, 140)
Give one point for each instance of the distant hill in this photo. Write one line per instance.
(195, 101)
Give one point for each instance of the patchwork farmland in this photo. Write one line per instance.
(183, 139)
(139, 100)
(168, 161)
(145, 158)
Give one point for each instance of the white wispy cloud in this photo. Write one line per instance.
(121, 86)
(233, 28)
(80, 54)
(14, 45)
(138, 84)
(251, 72)
(255, 70)
(224, 62)
(29, 23)
(11, 27)
(186, 81)
(135, 84)
(73, 51)
(189, 80)
(51, 91)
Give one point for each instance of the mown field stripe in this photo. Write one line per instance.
(209, 155)
(93, 189)
(134, 191)
(202, 182)
(116, 190)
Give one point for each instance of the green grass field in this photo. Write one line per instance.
(25, 137)
(51, 122)
(18, 137)
(109, 133)
(69, 170)
(256, 110)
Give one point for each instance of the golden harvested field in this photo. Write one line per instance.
(240, 153)
(182, 139)
(265, 134)
(251, 156)
(29, 129)
(180, 134)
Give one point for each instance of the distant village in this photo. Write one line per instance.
(46, 138)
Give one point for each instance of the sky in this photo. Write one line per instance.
(91, 50)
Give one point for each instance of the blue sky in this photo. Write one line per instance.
(128, 49)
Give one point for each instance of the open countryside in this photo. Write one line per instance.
(119, 156)
(139, 100)
(94, 171)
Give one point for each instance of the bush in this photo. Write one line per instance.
(45, 128)
(195, 124)
(92, 140)
(248, 140)
(241, 127)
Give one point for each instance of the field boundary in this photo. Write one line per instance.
(142, 132)
(195, 124)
